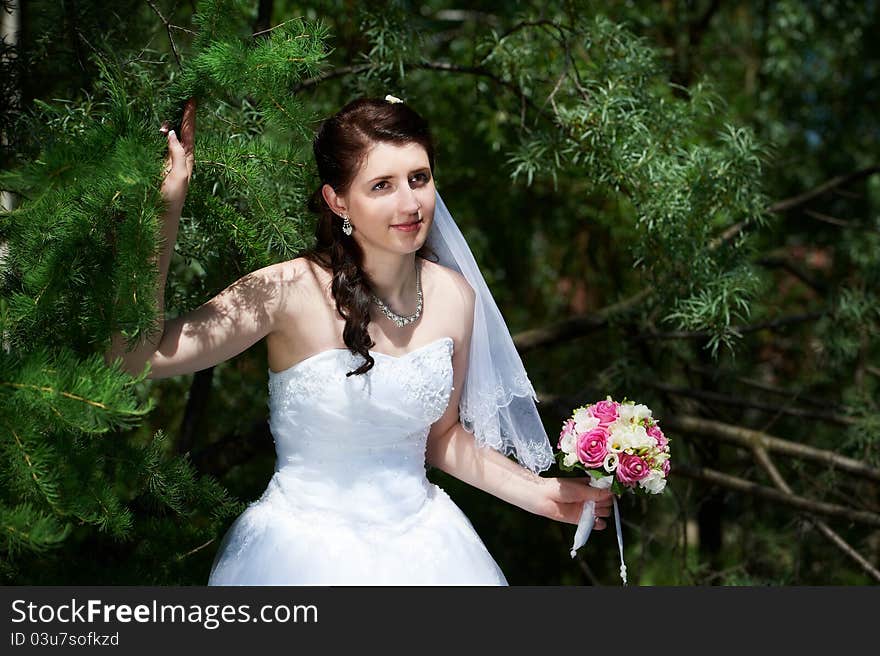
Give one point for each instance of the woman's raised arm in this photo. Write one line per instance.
(178, 170)
(229, 323)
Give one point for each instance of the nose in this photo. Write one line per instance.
(410, 202)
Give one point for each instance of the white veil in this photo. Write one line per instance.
(497, 400)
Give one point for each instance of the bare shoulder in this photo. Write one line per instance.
(288, 271)
(453, 293)
(452, 286)
(295, 283)
(300, 272)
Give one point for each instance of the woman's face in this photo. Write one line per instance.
(392, 185)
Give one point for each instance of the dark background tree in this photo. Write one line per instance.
(679, 197)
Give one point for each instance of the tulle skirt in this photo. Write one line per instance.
(278, 540)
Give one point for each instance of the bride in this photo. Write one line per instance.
(386, 353)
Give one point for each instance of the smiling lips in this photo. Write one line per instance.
(408, 227)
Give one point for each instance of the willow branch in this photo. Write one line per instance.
(749, 438)
(578, 326)
(743, 485)
(748, 328)
(716, 397)
(581, 325)
(796, 201)
(790, 395)
(766, 462)
(342, 71)
(833, 220)
(828, 185)
(168, 28)
(799, 272)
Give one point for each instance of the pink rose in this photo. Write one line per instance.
(567, 427)
(592, 447)
(655, 432)
(631, 469)
(604, 411)
(666, 467)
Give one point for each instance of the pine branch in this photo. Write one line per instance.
(25, 529)
(85, 395)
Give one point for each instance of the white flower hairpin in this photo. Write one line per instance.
(392, 99)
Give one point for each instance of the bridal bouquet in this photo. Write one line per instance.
(621, 446)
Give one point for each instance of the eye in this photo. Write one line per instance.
(424, 177)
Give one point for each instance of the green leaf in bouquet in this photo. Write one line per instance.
(560, 457)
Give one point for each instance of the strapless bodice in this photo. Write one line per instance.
(361, 439)
(349, 502)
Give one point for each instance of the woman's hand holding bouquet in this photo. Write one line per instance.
(622, 448)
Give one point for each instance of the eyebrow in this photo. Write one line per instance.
(419, 170)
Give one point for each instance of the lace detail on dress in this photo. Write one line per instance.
(424, 376)
(349, 502)
(420, 382)
(287, 388)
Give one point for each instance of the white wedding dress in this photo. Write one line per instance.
(349, 503)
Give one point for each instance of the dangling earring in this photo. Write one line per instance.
(346, 226)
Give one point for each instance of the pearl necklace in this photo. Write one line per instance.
(398, 320)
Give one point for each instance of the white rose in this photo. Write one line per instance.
(640, 437)
(568, 443)
(653, 482)
(627, 437)
(626, 412)
(584, 421)
(633, 436)
(569, 459)
(641, 411)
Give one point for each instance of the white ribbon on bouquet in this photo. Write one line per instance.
(588, 519)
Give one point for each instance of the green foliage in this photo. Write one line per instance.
(80, 266)
(593, 155)
(258, 68)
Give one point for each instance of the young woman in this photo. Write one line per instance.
(374, 347)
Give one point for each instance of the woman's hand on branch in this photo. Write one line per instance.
(181, 157)
(562, 499)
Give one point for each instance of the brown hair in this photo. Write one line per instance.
(340, 147)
